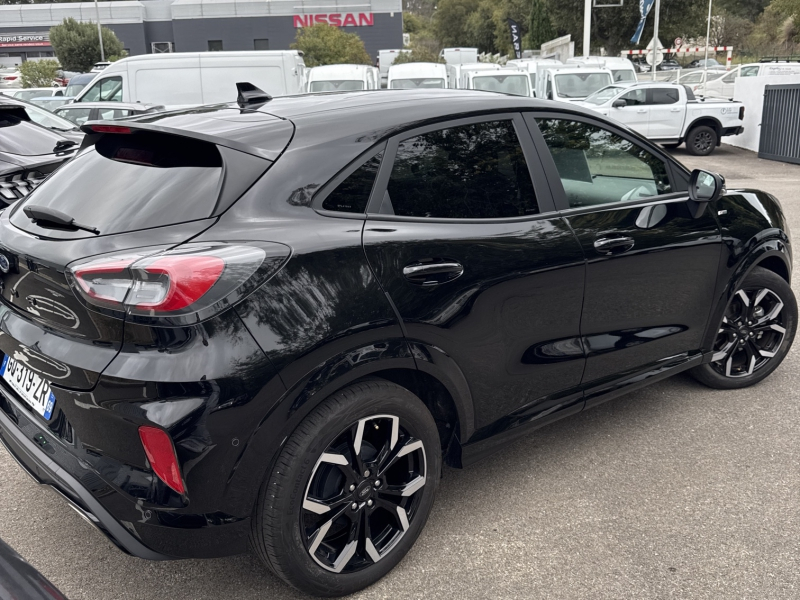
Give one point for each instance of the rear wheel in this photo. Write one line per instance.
(701, 140)
(755, 334)
(351, 490)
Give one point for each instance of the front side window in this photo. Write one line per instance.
(635, 98)
(665, 96)
(749, 72)
(475, 171)
(597, 166)
(352, 194)
(105, 90)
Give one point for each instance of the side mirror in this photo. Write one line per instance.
(704, 187)
(620, 103)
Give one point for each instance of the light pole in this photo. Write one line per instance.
(708, 35)
(99, 32)
(587, 25)
(655, 38)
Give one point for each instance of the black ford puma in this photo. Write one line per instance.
(272, 322)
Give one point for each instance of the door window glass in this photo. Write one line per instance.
(105, 90)
(665, 96)
(635, 97)
(76, 115)
(749, 72)
(475, 171)
(600, 167)
(353, 193)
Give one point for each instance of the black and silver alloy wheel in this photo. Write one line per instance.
(755, 334)
(701, 140)
(363, 494)
(752, 331)
(350, 491)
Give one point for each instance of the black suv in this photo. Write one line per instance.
(272, 322)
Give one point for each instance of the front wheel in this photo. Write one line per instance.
(701, 140)
(755, 334)
(351, 490)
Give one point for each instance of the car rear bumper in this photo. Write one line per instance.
(138, 532)
(732, 131)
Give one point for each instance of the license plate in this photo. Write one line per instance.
(32, 389)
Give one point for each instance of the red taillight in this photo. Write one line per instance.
(109, 129)
(10, 78)
(191, 282)
(161, 454)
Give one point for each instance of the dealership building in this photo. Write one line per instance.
(153, 26)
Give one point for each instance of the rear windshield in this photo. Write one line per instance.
(130, 182)
(24, 138)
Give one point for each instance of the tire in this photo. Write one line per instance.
(701, 140)
(740, 364)
(311, 465)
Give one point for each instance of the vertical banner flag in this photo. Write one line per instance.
(644, 10)
(515, 39)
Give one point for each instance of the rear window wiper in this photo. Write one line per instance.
(43, 214)
(63, 145)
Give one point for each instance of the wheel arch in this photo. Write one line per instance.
(710, 122)
(772, 255)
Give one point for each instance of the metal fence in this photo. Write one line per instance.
(780, 123)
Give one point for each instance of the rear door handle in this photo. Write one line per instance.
(675, 110)
(642, 110)
(615, 245)
(432, 273)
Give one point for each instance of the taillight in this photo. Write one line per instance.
(183, 285)
(109, 129)
(161, 455)
(10, 78)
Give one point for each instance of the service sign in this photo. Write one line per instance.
(336, 19)
(20, 40)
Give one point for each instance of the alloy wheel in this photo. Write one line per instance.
(703, 141)
(751, 333)
(363, 494)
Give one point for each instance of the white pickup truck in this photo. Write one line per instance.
(669, 113)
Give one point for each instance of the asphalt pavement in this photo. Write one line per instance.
(674, 491)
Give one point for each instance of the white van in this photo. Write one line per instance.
(570, 84)
(385, 60)
(343, 78)
(723, 87)
(459, 56)
(532, 65)
(622, 69)
(455, 79)
(506, 81)
(411, 76)
(193, 78)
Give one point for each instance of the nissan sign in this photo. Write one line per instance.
(336, 19)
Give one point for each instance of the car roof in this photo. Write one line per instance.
(363, 116)
(122, 105)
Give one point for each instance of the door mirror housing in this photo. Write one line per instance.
(704, 187)
(620, 103)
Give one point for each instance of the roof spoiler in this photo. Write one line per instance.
(250, 96)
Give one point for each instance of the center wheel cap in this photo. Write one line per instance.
(363, 491)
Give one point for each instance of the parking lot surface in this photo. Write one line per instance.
(674, 491)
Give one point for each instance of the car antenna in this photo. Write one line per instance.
(250, 96)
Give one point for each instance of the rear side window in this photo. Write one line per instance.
(148, 180)
(665, 96)
(353, 193)
(475, 171)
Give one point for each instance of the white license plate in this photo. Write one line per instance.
(32, 389)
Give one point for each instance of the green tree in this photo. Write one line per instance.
(38, 73)
(450, 21)
(77, 47)
(417, 55)
(324, 44)
(480, 29)
(540, 28)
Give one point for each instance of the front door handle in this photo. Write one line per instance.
(432, 273)
(641, 111)
(615, 245)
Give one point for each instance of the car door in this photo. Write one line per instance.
(635, 112)
(651, 266)
(462, 235)
(666, 113)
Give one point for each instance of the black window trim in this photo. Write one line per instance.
(333, 183)
(677, 174)
(541, 189)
